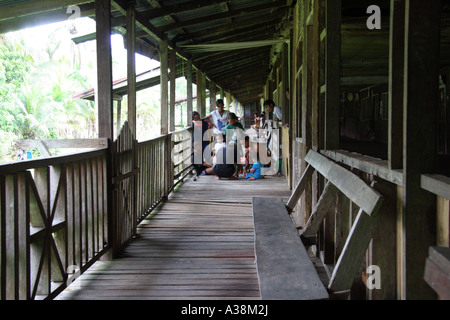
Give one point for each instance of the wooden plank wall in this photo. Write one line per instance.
(315, 71)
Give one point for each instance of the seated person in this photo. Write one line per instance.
(226, 165)
(255, 171)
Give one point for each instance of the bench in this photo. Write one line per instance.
(285, 270)
(437, 271)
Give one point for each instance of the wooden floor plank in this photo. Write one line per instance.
(199, 244)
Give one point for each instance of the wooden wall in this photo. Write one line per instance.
(321, 115)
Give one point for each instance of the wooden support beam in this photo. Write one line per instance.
(332, 74)
(383, 248)
(177, 8)
(173, 75)
(228, 100)
(131, 67)
(63, 143)
(104, 69)
(141, 22)
(164, 57)
(230, 29)
(285, 102)
(418, 232)
(119, 117)
(315, 76)
(348, 183)
(306, 110)
(231, 14)
(201, 93)
(189, 91)
(396, 82)
(354, 250)
(212, 96)
(320, 210)
(300, 188)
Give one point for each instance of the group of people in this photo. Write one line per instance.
(225, 146)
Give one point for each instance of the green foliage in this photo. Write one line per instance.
(15, 64)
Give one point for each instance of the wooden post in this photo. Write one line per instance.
(203, 110)
(396, 74)
(307, 111)
(212, 96)
(285, 76)
(119, 116)
(315, 78)
(173, 77)
(163, 52)
(382, 251)
(201, 107)
(189, 91)
(332, 74)
(131, 66)
(104, 69)
(422, 42)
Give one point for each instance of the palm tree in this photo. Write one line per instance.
(34, 118)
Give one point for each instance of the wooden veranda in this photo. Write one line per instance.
(199, 244)
(363, 85)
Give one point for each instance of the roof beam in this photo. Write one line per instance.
(142, 23)
(236, 68)
(167, 17)
(177, 8)
(226, 30)
(226, 60)
(257, 32)
(216, 56)
(230, 14)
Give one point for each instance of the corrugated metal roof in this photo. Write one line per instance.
(216, 21)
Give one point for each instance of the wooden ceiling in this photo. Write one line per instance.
(243, 72)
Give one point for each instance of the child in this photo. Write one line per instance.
(233, 124)
(255, 171)
(219, 143)
(218, 146)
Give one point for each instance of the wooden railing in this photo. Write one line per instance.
(182, 154)
(153, 184)
(57, 214)
(53, 222)
(163, 162)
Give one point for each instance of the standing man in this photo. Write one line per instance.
(270, 107)
(219, 117)
(273, 141)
